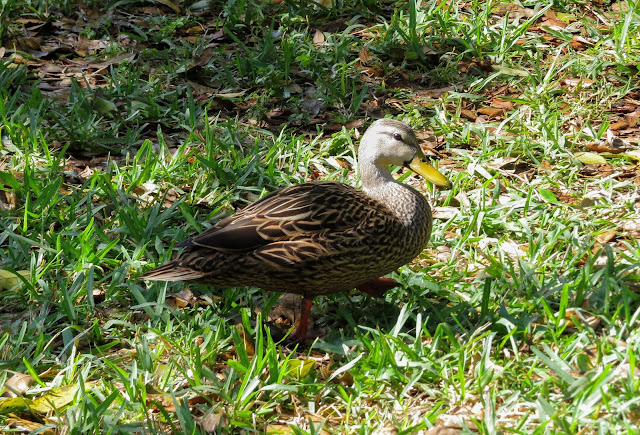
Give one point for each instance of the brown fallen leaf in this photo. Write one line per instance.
(619, 125)
(575, 316)
(247, 339)
(318, 39)
(551, 20)
(579, 83)
(468, 114)
(17, 385)
(170, 4)
(213, 420)
(491, 112)
(501, 104)
(434, 93)
(604, 147)
(25, 43)
(445, 213)
(606, 236)
(630, 118)
(365, 55)
(23, 425)
(514, 10)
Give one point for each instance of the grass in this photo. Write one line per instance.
(522, 316)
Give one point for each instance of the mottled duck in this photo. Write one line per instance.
(322, 237)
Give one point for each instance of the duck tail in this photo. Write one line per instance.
(172, 271)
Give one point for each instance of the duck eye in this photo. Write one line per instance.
(397, 136)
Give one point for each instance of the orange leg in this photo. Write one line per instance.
(377, 287)
(300, 333)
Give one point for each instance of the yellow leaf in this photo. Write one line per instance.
(303, 367)
(510, 71)
(8, 279)
(57, 398)
(567, 18)
(26, 425)
(274, 429)
(633, 155)
(590, 158)
(13, 404)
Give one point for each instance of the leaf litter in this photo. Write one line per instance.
(59, 55)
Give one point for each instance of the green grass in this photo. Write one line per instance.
(522, 316)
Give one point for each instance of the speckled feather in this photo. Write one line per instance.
(316, 238)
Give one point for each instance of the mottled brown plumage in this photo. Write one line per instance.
(319, 238)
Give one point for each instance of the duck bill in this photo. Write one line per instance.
(420, 166)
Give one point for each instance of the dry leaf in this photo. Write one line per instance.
(604, 147)
(607, 236)
(491, 112)
(510, 71)
(247, 339)
(578, 82)
(469, 114)
(171, 4)
(577, 315)
(619, 125)
(514, 11)
(364, 55)
(590, 158)
(17, 385)
(8, 279)
(501, 104)
(23, 425)
(632, 118)
(318, 39)
(213, 420)
(57, 398)
(445, 213)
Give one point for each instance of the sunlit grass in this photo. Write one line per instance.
(522, 316)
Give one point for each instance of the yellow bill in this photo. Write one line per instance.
(421, 166)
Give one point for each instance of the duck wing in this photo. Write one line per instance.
(286, 231)
(286, 215)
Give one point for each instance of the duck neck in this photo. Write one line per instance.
(402, 200)
(375, 179)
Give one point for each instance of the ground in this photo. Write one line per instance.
(129, 126)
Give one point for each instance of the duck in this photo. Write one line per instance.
(322, 237)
